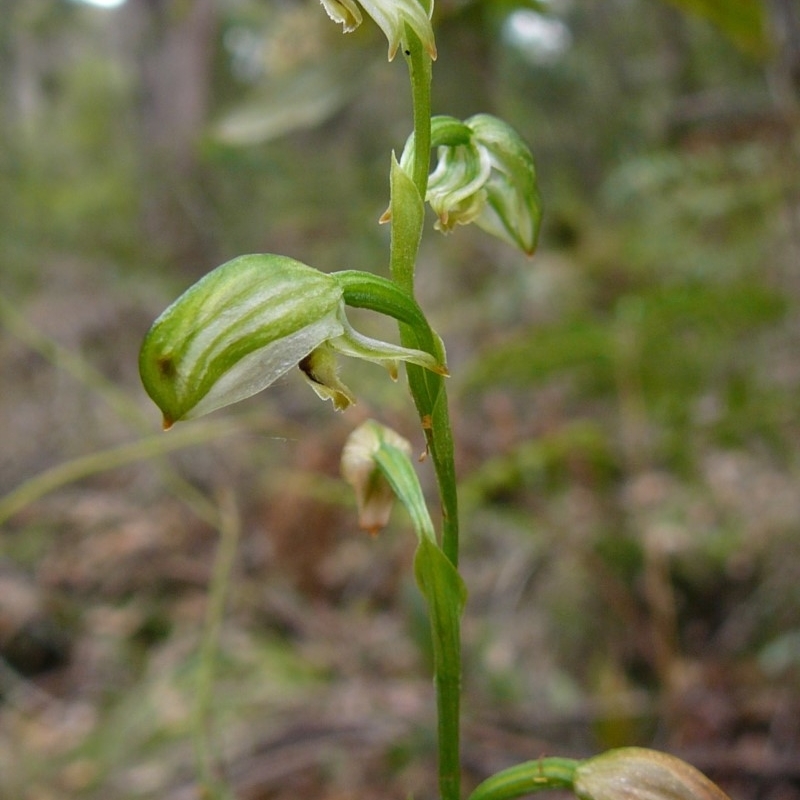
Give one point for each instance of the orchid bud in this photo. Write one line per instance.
(635, 773)
(391, 16)
(374, 493)
(245, 324)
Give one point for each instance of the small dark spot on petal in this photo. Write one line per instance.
(166, 366)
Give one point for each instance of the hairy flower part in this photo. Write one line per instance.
(246, 324)
(391, 16)
(374, 495)
(636, 773)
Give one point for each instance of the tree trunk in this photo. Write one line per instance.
(173, 45)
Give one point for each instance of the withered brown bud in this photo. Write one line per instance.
(636, 773)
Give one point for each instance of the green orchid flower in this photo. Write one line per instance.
(484, 174)
(251, 320)
(391, 16)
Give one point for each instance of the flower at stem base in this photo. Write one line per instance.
(636, 773)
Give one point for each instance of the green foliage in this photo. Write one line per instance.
(545, 464)
(71, 169)
(684, 343)
(703, 214)
(744, 21)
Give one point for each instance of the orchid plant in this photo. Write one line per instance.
(249, 321)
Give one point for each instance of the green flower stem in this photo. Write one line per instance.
(448, 708)
(528, 778)
(428, 391)
(364, 290)
(420, 71)
(430, 398)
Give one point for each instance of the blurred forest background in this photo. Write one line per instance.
(626, 403)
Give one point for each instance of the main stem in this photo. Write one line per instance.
(430, 397)
(433, 408)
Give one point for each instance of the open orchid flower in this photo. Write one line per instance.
(391, 16)
(246, 323)
(484, 174)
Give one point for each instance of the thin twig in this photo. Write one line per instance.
(212, 786)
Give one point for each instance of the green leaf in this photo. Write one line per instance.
(396, 467)
(446, 595)
(406, 212)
